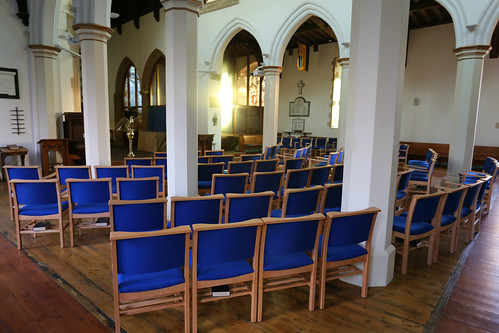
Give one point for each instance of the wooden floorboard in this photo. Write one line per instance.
(83, 274)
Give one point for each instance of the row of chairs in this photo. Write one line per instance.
(451, 208)
(320, 145)
(151, 269)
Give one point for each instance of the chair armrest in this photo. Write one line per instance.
(50, 175)
(418, 168)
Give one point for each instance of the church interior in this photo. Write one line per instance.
(395, 99)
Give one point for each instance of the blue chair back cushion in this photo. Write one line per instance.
(247, 208)
(78, 173)
(139, 216)
(138, 189)
(190, 212)
(36, 193)
(150, 263)
(23, 173)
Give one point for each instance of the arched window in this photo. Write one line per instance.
(157, 88)
(132, 99)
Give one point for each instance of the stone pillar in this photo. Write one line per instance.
(345, 72)
(466, 100)
(48, 92)
(271, 108)
(181, 17)
(377, 57)
(93, 42)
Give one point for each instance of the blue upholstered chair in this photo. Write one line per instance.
(137, 188)
(287, 142)
(295, 178)
(204, 159)
(319, 147)
(164, 162)
(250, 157)
(319, 175)
(138, 215)
(299, 202)
(150, 272)
(403, 153)
(241, 167)
(242, 207)
(229, 183)
(331, 198)
(225, 254)
(19, 172)
(265, 165)
(331, 144)
(468, 212)
(270, 152)
(159, 154)
(38, 200)
(423, 170)
(224, 158)
(129, 161)
(205, 175)
(490, 168)
(88, 199)
(403, 178)
(450, 216)
(292, 163)
(346, 242)
(214, 152)
(288, 255)
(146, 171)
(192, 210)
(423, 216)
(64, 172)
(267, 181)
(337, 173)
(327, 159)
(113, 172)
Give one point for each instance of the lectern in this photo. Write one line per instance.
(52, 151)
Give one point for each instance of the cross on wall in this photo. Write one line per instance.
(300, 86)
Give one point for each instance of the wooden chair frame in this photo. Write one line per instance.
(400, 204)
(415, 185)
(9, 187)
(323, 198)
(74, 216)
(28, 229)
(289, 278)
(59, 180)
(403, 249)
(117, 167)
(405, 152)
(334, 270)
(151, 300)
(239, 286)
(160, 181)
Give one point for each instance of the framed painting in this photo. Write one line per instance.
(299, 108)
(9, 83)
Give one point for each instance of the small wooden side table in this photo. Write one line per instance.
(53, 145)
(5, 151)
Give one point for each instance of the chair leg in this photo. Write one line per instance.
(431, 245)
(260, 297)
(254, 300)
(194, 307)
(61, 232)
(18, 232)
(365, 278)
(322, 288)
(187, 310)
(405, 256)
(117, 324)
(436, 246)
(312, 285)
(453, 241)
(71, 231)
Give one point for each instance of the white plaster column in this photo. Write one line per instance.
(379, 36)
(93, 43)
(181, 17)
(345, 72)
(466, 100)
(271, 108)
(48, 90)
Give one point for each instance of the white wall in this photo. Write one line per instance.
(488, 111)
(14, 53)
(318, 89)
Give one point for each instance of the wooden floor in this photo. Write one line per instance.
(407, 304)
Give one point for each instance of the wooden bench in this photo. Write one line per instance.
(417, 151)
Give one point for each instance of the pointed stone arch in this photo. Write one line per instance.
(225, 36)
(146, 79)
(120, 78)
(295, 20)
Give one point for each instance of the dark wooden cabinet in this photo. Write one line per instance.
(74, 131)
(205, 142)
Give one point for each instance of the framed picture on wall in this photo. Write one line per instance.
(299, 107)
(9, 83)
(298, 125)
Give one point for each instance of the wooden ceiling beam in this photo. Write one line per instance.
(324, 27)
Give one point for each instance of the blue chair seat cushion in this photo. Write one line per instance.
(204, 184)
(419, 177)
(465, 211)
(416, 227)
(223, 270)
(337, 253)
(447, 219)
(287, 261)
(129, 283)
(44, 209)
(91, 208)
(401, 195)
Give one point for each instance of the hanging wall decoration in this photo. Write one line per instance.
(9, 83)
(302, 59)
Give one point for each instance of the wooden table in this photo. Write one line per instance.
(20, 151)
